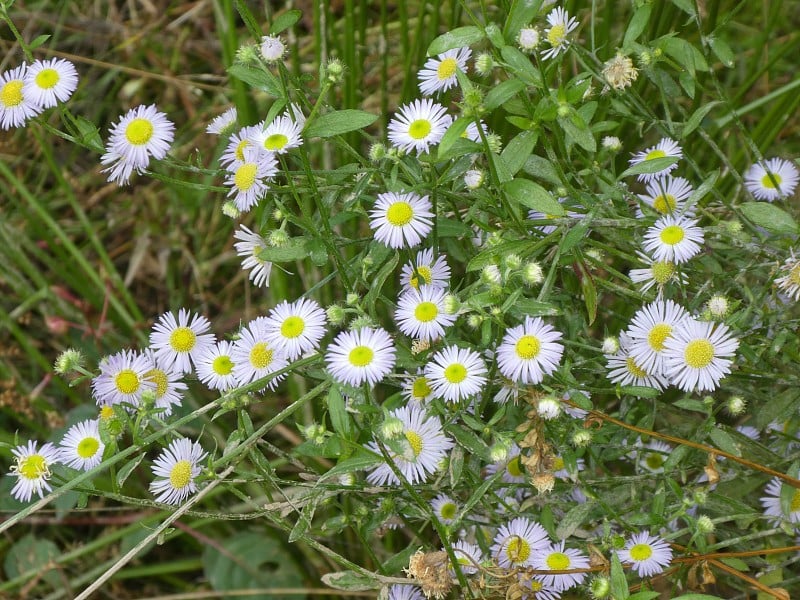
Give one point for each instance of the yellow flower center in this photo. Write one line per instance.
(657, 335)
(455, 373)
(158, 377)
(275, 142)
(127, 381)
(448, 511)
(518, 550)
(222, 365)
(665, 203)
(767, 182)
(261, 356)
(11, 94)
(47, 78)
(536, 586)
(640, 552)
(794, 274)
(181, 474)
(558, 561)
(139, 131)
(182, 339)
(361, 356)
(698, 353)
(556, 35)
(419, 129)
(513, 467)
(794, 505)
(400, 214)
(239, 152)
(88, 447)
(446, 69)
(662, 271)
(106, 412)
(415, 441)
(654, 461)
(420, 388)
(672, 234)
(657, 153)
(635, 369)
(425, 273)
(33, 467)
(292, 327)
(558, 463)
(426, 312)
(528, 347)
(245, 176)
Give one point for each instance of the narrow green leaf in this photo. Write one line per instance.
(295, 249)
(578, 133)
(619, 585)
(125, 472)
(285, 20)
(521, 14)
(639, 391)
(533, 196)
(361, 460)
(350, 582)
(654, 165)
(769, 216)
(589, 294)
(534, 308)
(574, 237)
(453, 134)
(638, 24)
(380, 278)
(521, 66)
(469, 441)
(258, 79)
(339, 122)
(697, 597)
(518, 150)
(575, 517)
(501, 93)
(724, 441)
(455, 38)
(340, 420)
(646, 595)
(694, 121)
(686, 6)
(38, 41)
(541, 168)
(722, 51)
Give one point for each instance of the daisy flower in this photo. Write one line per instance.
(472, 133)
(772, 179)
(420, 313)
(401, 220)
(416, 388)
(81, 447)
(468, 556)
(696, 357)
(439, 74)
(248, 178)
(518, 542)
(423, 445)
(574, 411)
(122, 378)
(223, 123)
(280, 136)
(254, 356)
(561, 470)
(215, 367)
(168, 381)
(624, 370)
(444, 508)
(772, 503)
(175, 469)
(789, 282)
(237, 143)
(419, 125)
(528, 39)
(647, 554)
(249, 247)
(143, 133)
(363, 356)
(665, 148)
(296, 328)
(32, 469)
(433, 273)
(17, 103)
(51, 81)
(557, 558)
(272, 48)
(178, 342)
(667, 196)
(649, 329)
(653, 456)
(675, 239)
(561, 25)
(511, 467)
(401, 591)
(529, 351)
(657, 273)
(456, 373)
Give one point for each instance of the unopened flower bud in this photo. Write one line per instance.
(229, 209)
(336, 315)
(484, 64)
(736, 405)
(272, 48)
(705, 525)
(68, 361)
(473, 179)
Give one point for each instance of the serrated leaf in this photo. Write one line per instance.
(769, 216)
(694, 121)
(349, 581)
(521, 66)
(339, 122)
(533, 196)
(285, 20)
(638, 23)
(502, 93)
(455, 38)
(258, 79)
(295, 249)
(619, 585)
(724, 441)
(575, 517)
(654, 165)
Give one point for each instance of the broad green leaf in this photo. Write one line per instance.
(340, 420)
(686, 6)
(339, 122)
(722, 50)
(518, 150)
(694, 121)
(779, 408)
(736, 563)
(578, 133)
(295, 249)
(646, 595)
(638, 23)
(697, 597)
(685, 53)
(258, 79)
(541, 168)
(452, 228)
(469, 441)
(521, 66)
(284, 21)
(89, 133)
(533, 196)
(575, 517)
(455, 38)
(619, 585)
(30, 553)
(769, 216)
(724, 441)
(501, 93)
(454, 132)
(574, 237)
(521, 14)
(654, 165)
(350, 582)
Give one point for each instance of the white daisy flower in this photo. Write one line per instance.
(539, 590)
(434, 273)
(445, 509)
(178, 342)
(81, 447)
(653, 456)
(237, 144)
(141, 134)
(647, 554)
(696, 356)
(280, 136)
(17, 103)
(528, 39)
(175, 469)
(51, 81)
(363, 356)
(224, 122)
(32, 469)
(529, 351)
(518, 542)
(419, 125)
(574, 411)
(249, 178)
(296, 328)
(789, 282)
(773, 179)
(401, 591)
(254, 356)
(556, 557)
(272, 48)
(169, 384)
(468, 556)
(422, 446)
(420, 313)
(657, 273)
(416, 388)
(624, 370)
(456, 373)
(122, 378)
(401, 220)
(510, 466)
(472, 133)
(667, 196)
(666, 147)
(248, 247)
(215, 367)
(561, 25)
(675, 239)
(649, 329)
(772, 503)
(439, 74)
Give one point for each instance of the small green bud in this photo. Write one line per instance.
(612, 143)
(229, 209)
(352, 299)
(610, 345)
(451, 304)
(495, 142)
(474, 321)
(334, 71)
(512, 261)
(564, 110)
(600, 588)
(532, 273)
(377, 152)
(491, 275)
(68, 361)
(473, 179)
(247, 55)
(582, 438)
(277, 238)
(484, 64)
(336, 315)
(736, 405)
(705, 525)
(391, 428)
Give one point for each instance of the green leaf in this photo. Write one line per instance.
(574, 237)
(469, 441)
(361, 460)
(619, 585)
(575, 517)
(534, 308)
(455, 38)
(686, 6)
(578, 133)
(127, 469)
(89, 133)
(283, 21)
(453, 133)
(349, 581)
(258, 79)
(33, 554)
(452, 228)
(521, 66)
(646, 595)
(541, 168)
(769, 216)
(251, 561)
(589, 294)
(724, 441)
(685, 53)
(380, 278)
(697, 597)
(533, 196)
(339, 122)
(295, 249)
(722, 51)
(639, 391)
(736, 563)
(654, 165)
(518, 150)
(340, 420)
(502, 93)
(305, 518)
(638, 23)
(38, 41)
(694, 121)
